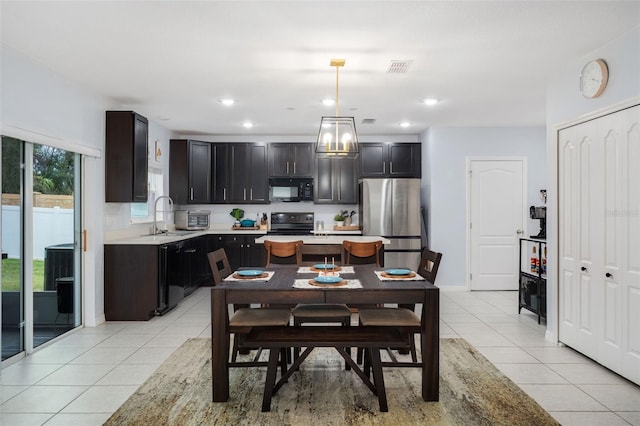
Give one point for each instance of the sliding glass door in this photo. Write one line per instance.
(41, 286)
(13, 301)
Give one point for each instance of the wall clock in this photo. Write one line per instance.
(594, 78)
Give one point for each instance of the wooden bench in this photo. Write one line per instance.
(371, 338)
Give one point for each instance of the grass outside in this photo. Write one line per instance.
(11, 275)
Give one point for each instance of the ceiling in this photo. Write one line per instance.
(489, 63)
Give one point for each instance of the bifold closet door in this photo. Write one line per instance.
(599, 240)
(630, 272)
(580, 212)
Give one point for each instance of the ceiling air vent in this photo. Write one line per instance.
(399, 67)
(368, 121)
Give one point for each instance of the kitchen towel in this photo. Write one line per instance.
(304, 283)
(381, 277)
(249, 279)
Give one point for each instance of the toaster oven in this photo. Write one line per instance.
(192, 220)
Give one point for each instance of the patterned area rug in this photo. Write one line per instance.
(472, 392)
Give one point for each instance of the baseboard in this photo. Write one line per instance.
(448, 288)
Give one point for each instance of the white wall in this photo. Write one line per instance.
(39, 106)
(447, 150)
(566, 104)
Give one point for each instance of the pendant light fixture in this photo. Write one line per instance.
(337, 137)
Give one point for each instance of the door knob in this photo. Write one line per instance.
(584, 269)
(519, 231)
(608, 275)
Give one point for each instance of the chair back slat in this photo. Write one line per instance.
(283, 250)
(219, 264)
(429, 265)
(362, 250)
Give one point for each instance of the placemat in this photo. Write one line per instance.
(245, 279)
(381, 277)
(304, 283)
(343, 270)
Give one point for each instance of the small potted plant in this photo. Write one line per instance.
(339, 218)
(237, 214)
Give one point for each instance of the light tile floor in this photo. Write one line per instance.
(84, 377)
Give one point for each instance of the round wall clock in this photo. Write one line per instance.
(594, 78)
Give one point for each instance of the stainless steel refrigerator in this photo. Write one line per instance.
(391, 208)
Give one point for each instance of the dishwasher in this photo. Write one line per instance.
(171, 281)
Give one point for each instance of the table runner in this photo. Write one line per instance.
(304, 283)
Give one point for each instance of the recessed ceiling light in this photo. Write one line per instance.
(430, 101)
(328, 102)
(405, 124)
(227, 101)
(247, 124)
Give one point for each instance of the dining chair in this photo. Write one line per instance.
(362, 251)
(245, 318)
(404, 316)
(283, 252)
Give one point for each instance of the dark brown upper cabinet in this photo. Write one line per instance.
(336, 181)
(190, 171)
(249, 175)
(126, 141)
(290, 159)
(383, 160)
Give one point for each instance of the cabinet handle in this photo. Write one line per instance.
(287, 167)
(244, 194)
(583, 269)
(191, 193)
(294, 167)
(608, 275)
(384, 167)
(251, 194)
(190, 251)
(224, 194)
(390, 166)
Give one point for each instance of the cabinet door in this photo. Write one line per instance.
(257, 174)
(254, 254)
(125, 157)
(323, 185)
(279, 162)
(346, 180)
(302, 159)
(199, 172)
(234, 247)
(141, 129)
(239, 173)
(220, 173)
(404, 160)
(372, 160)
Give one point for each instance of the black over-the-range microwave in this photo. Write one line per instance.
(291, 189)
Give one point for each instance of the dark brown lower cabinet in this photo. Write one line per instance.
(243, 251)
(131, 274)
(142, 281)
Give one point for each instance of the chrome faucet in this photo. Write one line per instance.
(155, 213)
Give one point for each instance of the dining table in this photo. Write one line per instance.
(279, 290)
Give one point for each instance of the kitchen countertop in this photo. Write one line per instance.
(335, 237)
(325, 239)
(179, 235)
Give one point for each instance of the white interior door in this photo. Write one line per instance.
(497, 214)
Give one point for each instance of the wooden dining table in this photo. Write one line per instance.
(279, 290)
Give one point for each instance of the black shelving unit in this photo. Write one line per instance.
(532, 288)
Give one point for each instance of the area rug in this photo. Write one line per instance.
(472, 392)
